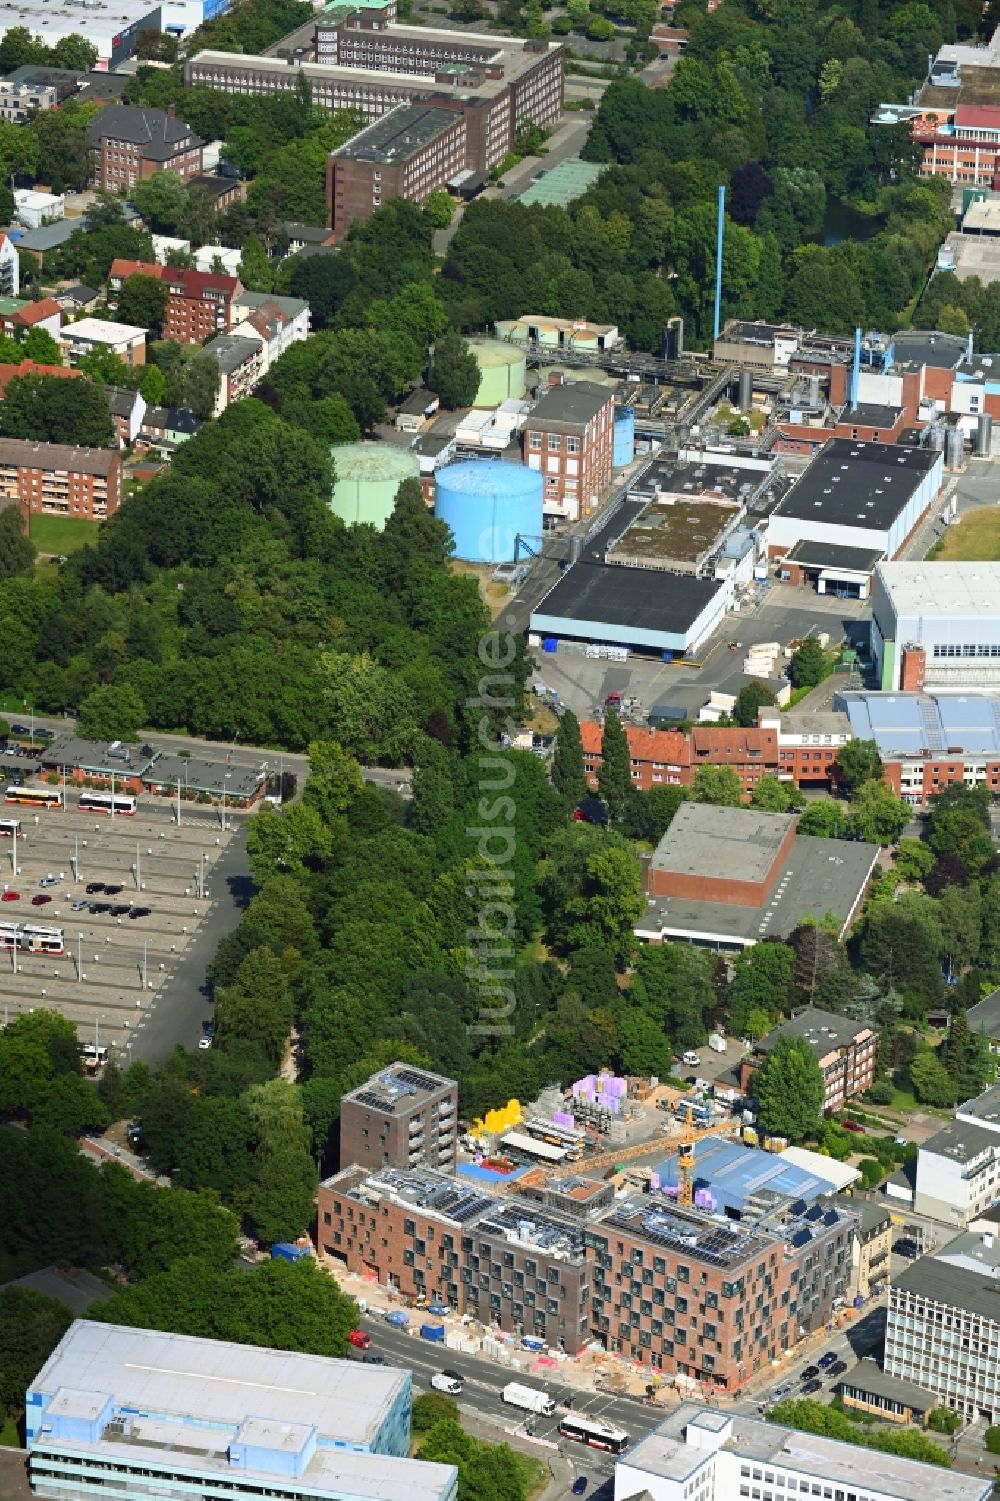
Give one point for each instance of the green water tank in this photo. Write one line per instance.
(367, 478)
(502, 371)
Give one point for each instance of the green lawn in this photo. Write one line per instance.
(974, 539)
(61, 534)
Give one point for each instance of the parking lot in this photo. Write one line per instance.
(114, 967)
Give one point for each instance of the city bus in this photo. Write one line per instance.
(103, 802)
(9, 827)
(598, 1435)
(30, 938)
(34, 797)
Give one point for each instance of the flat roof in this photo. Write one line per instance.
(824, 1031)
(100, 22)
(648, 599)
(681, 529)
(914, 348)
(400, 1085)
(840, 1174)
(575, 403)
(828, 555)
(727, 844)
(941, 589)
(985, 1108)
(818, 876)
(961, 1141)
(732, 1173)
(664, 1452)
(858, 484)
(218, 1381)
(972, 1254)
(399, 134)
(690, 479)
(102, 330)
(563, 183)
(872, 414)
(953, 1286)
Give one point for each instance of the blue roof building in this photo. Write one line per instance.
(733, 1179)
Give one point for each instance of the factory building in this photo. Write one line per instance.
(708, 1455)
(936, 626)
(929, 741)
(857, 496)
(135, 1410)
(727, 878)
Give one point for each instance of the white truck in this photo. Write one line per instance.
(717, 1042)
(527, 1397)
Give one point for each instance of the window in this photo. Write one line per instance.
(554, 442)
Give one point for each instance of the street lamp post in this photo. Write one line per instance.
(112, 794)
(79, 957)
(138, 868)
(145, 951)
(178, 801)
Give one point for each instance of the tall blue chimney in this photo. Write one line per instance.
(719, 236)
(856, 371)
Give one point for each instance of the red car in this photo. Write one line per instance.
(852, 1126)
(10, 896)
(359, 1339)
(40, 901)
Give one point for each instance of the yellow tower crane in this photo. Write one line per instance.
(690, 1134)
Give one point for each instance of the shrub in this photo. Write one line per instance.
(881, 1092)
(943, 1420)
(993, 1440)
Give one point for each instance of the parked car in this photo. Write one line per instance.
(40, 900)
(907, 1247)
(113, 890)
(838, 1368)
(853, 1126)
(579, 1485)
(49, 880)
(96, 908)
(447, 1381)
(692, 1060)
(370, 1357)
(94, 887)
(139, 911)
(812, 1386)
(356, 1337)
(809, 1372)
(121, 910)
(78, 906)
(827, 1360)
(204, 1043)
(11, 896)
(784, 1390)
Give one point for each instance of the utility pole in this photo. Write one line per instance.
(145, 949)
(138, 869)
(76, 857)
(79, 957)
(178, 802)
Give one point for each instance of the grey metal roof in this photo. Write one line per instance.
(158, 133)
(231, 351)
(868, 1380)
(48, 236)
(871, 414)
(941, 351)
(961, 1142)
(986, 1015)
(827, 555)
(398, 135)
(926, 724)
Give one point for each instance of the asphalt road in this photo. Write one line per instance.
(484, 1381)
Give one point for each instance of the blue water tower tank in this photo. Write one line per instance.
(623, 451)
(488, 503)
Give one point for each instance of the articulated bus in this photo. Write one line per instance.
(597, 1435)
(34, 797)
(103, 802)
(30, 938)
(9, 827)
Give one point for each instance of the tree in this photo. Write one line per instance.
(104, 366)
(755, 695)
(199, 387)
(52, 409)
(858, 762)
(277, 1304)
(772, 795)
(324, 281)
(900, 943)
(614, 775)
(930, 1080)
(823, 819)
(762, 982)
(789, 1090)
(162, 200)
(279, 1203)
(255, 268)
(719, 785)
(258, 1006)
(913, 860)
(440, 208)
(568, 776)
(960, 916)
(454, 373)
(286, 842)
(114, 712)
(334, 780)
(31, 1325)
(143, 301)
(17, 551)
(808, 665)
(153, 385)
(430, 1408)
(877, 815)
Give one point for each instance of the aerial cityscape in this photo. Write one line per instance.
(500, 750)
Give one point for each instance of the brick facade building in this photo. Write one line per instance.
(199, 303)
(409, 153)
(128, 144)
(54, 479)
(569, 438)
(671, 1288)
(846, 1053)
(401, 1117)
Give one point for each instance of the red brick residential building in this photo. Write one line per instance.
(401, 1117)
(845, 1051)
(569, 437)
(54, 479)
(128, 144)
(672, 1288)
(797, 751)
(199, 303)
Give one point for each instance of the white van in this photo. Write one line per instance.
(447, 1381)
(692, 1060)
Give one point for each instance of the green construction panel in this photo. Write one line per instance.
(888, 664)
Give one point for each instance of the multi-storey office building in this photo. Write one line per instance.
(409, 153)
(667, 1286)
(943, 1328)
(128, 144)
(568, 437)
(402, 1117)
(702, 1454)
